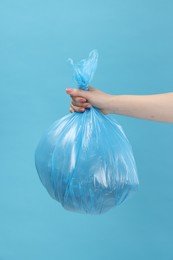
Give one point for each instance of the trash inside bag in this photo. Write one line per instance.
(85, 160)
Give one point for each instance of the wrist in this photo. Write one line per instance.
(107, 109)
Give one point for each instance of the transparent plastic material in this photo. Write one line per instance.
(85, 161)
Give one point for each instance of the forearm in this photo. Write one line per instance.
(157, 107)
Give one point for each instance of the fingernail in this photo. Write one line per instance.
(69, 90)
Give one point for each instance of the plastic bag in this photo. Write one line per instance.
(85, 160)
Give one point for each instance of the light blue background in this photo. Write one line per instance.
(135, 42)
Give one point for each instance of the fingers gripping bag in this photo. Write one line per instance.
(85, 160)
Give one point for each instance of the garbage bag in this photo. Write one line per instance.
(85, 160)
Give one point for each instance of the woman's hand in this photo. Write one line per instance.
(82, 99)
(156, 107)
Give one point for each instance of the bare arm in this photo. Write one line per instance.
(156, 107)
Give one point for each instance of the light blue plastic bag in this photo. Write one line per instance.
(85, 160)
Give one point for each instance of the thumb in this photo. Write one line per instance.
(74, 92)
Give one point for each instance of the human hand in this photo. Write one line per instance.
(82, 99)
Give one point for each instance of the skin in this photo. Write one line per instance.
(156, 107)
